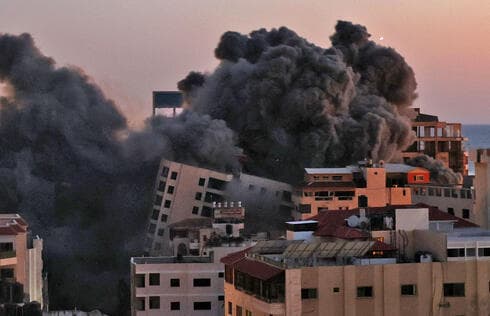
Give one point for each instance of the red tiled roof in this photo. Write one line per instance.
(234, 257)
(332, 223)
(257, 269)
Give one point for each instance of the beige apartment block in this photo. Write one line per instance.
(433, 288)
(178, 285)
(21, 258)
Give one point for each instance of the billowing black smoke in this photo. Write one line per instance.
(294, 104)
(71, 167)
(83, 180)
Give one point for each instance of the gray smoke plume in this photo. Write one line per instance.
(439, 174)
(82, 179)
(294, 104)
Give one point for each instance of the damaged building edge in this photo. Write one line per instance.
(185, 192)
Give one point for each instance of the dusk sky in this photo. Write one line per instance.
(131, 48)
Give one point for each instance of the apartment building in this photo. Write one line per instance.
(190, 281)
(363, 185)
(470, 202)
(21, 263)
(186, 192)
(406, 260)
(440, 140)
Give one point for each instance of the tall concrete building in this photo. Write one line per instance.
(405, 260)
(185, 192)
(440, 140)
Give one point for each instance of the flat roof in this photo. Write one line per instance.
(171, 259)
(346, 170)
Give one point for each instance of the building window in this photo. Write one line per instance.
(450, 210)
(140, 279)
(262, 190)
(466, 213)
(175, 306)
(207, 211)
(164, 172)
(286, 196)
(221, 274)
(154, 215)
(470, 252)
(308, 294)
(198, 196)
(336, 290)
(408, 289)
(154, 278)
(304, 208)
(167, 203)
(483, 252)
(140, 304)
(8, 273)
(164, 218)
(228, 274)
(201, 282)
(173, 176)
(447, 192)
(154, 302)
(201, 182)
(158, 200)
(336, 178)
(230, 308)
(364, 291)
(239, 311)
(248, 313)
(198, 306)
(454, 289)
(455, 252)
(170, 189)
(174, 282)
(404, 192)
(195, 210)
(216, 184)
(152, 228)
(161, 231)
(161, 186)
(221, 297)
(251, 187)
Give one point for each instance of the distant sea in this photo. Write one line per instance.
(478, 137)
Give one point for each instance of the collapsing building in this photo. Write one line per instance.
(185, 192)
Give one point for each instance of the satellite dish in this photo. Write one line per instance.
(353, 221)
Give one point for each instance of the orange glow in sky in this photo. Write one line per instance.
(133, 47)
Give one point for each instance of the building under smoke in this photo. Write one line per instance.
(183, 191)
(81, 177)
